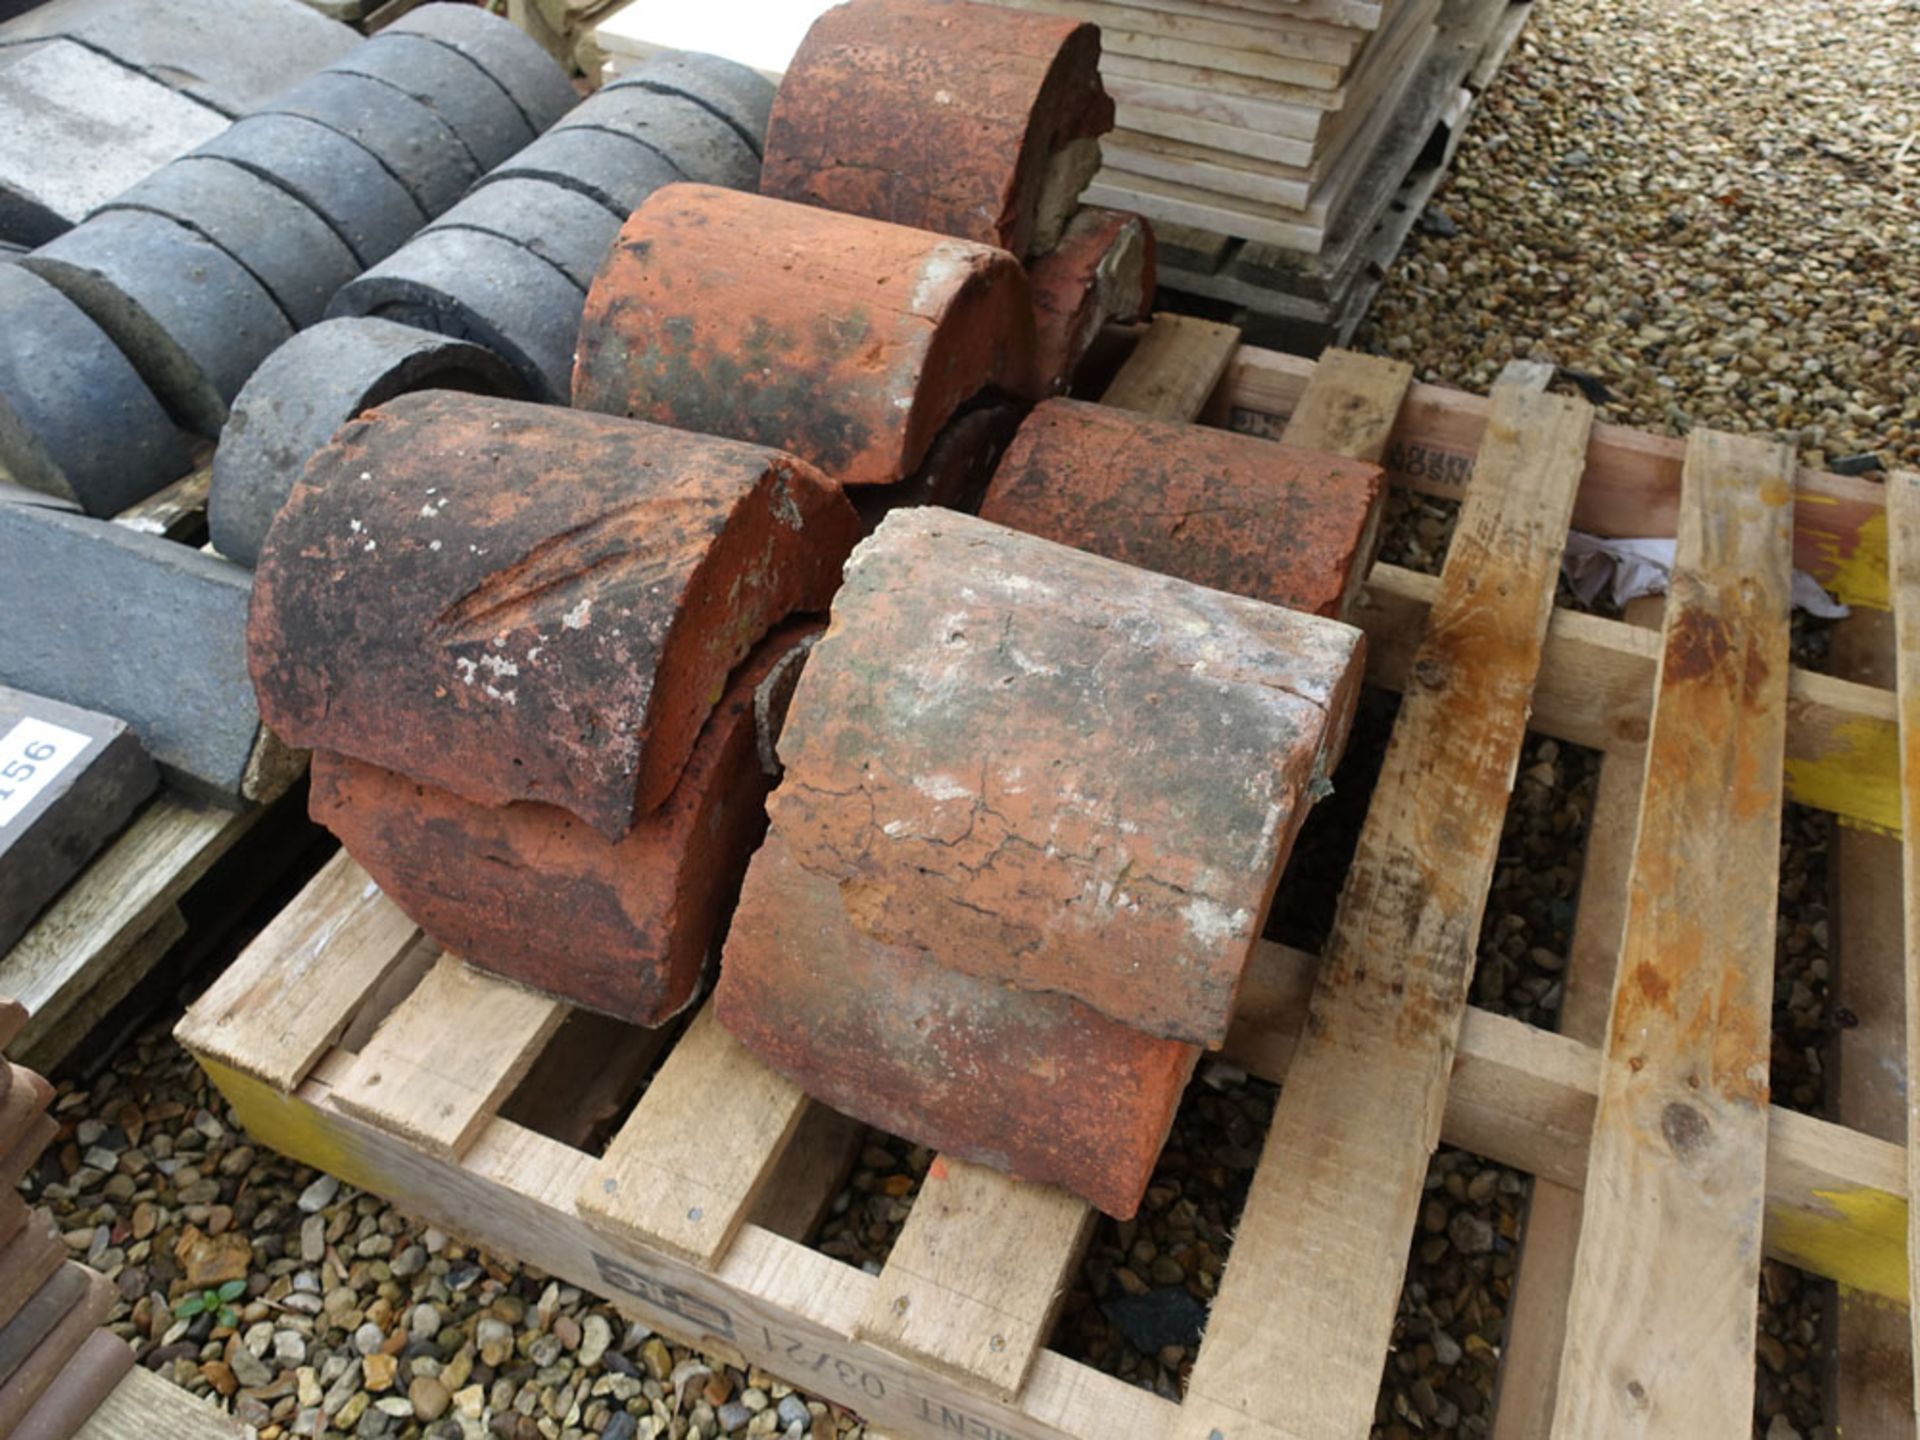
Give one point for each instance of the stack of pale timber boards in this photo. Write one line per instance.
(1263, 197)
(1654, 1121)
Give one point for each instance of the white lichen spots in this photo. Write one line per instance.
(578, 617)
(941, 787)
(433, 545)
(1211, 923)
(371, 545)
(500, 666)
(946, 268)
(894, 829)
(355, 526)
(505, 697)
(943, 97)
(469, 669)
(1028, 665)
(533, 653)
(366, 475)
(785, 510)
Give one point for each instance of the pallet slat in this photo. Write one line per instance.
(1660, 1320)
(978, 1271)
(1537, 1321)
(440, 1066)
(290, 993)
(685, 1170)
(1174, 369)
(1903, 513)
(1338, 1184)
(1349, 407)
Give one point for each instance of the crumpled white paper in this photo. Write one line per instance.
(1628, 569)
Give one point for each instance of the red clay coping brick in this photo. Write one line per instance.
(1101, 271)
(521, 602)
(1231, 512)
(940, 114)
(529, 892)
(847, 342)
(1057, 772)
(1039, 1086)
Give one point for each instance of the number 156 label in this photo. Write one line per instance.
(32, 753)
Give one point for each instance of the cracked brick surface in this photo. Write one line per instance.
(1102, 271)
(1040, 1086)
(847, 342)
(965, 119)
(1059, 773)
(530, 892)
(518, 602)
(1232, 512)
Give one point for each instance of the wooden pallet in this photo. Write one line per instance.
(1306, 302)
(342, 1039)
(122, 914)
(145, 1405)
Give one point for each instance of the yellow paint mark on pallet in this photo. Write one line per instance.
(289, 1125)
(1857, 573)
(1858, 778)
(1862, 1242)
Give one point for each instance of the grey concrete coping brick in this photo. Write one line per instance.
(135, 626)
(79, 128)
(703, 146)
(339, 179)
(70, 779)
(416, 145)
(479, 287)
(560, 225)
(282, 242)
(537, 84)
(309, 388)
(76, 421)
(191, 318)
(472, 103)
(615, 170)
(233, 55)
(741, 96)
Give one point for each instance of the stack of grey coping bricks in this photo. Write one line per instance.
(426, 210)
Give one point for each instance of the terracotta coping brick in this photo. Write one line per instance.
(969, 120)
(529, 892)
(1101, 271)
(1037, 1085)
(520, 602)
(1231, 512)
(1058, 772)
(845, 341)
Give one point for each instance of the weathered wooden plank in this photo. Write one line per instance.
(687, 1168)
(293, 990)
(1871, 1379)
(1174, 368)
(440, 1066)
(1903, 510)
(1632, 481)
(1537, 1322)
(977, 1274)
(153, 1408)
(1324, 1234)
(1660, 1320)
(1350, 406)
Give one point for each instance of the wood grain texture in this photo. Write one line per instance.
(146, 1405)
(1660, 1321)
(1350, 406)
(1903, 514)
(291, 992)
(1537, 1322)
(1324, 1234)
(977, 1274)
(686, 1169)
(1872, 1368)
(1174, 368)
(441, 1065)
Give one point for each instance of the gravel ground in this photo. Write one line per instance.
(1708, 210)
